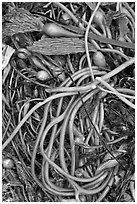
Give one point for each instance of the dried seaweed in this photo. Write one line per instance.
(59, 46)
(19, 20)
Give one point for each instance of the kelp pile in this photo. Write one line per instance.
(68, 102)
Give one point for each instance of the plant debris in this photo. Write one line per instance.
(59, 46)
(19, 20)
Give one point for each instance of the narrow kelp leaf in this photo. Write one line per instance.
(107, 3)
(92, 5)
(59, 46)
(19, 20)
(7, 53)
